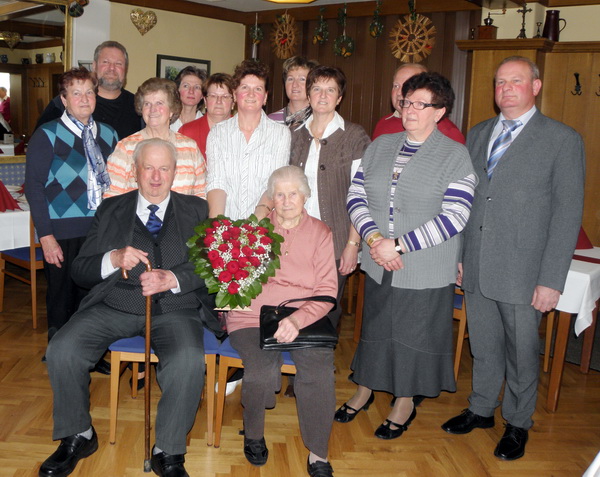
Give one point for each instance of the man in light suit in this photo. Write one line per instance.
(517, 250)
(128, 232)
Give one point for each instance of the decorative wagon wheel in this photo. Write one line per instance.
(284, 36)
(412, 40)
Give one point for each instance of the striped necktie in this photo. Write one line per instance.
(154, 223)
(501, 144)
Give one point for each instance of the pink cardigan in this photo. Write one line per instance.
(308, 270)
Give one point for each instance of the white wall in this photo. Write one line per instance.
(90, 29)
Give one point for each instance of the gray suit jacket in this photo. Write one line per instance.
(113, 229)
(525, 221)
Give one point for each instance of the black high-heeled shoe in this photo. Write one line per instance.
(342, 414)
(385, 431)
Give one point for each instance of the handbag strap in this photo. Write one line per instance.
(322, 298)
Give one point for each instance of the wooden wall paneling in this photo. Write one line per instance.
(369, 70)
(591, 212)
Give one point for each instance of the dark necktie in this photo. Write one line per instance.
(154, 223)
(501, 144)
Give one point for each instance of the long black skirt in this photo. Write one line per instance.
(406, 341)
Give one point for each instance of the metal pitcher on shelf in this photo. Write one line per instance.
(552, 26)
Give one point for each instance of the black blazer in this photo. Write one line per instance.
(113, 229)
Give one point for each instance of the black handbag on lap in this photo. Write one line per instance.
(319, 334)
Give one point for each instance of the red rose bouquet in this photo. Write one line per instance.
(235, 257)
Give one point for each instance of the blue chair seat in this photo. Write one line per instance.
(458, 301)
(137, 344)
(23, 253)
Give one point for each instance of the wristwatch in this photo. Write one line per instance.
(397, 246)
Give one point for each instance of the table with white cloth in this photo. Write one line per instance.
(580, 298)
(14, 229)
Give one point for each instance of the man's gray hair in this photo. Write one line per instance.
(288, 174)
(111, 44)
(535, 71)
(417, 66)
(155, 141)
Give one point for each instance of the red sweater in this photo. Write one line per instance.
(392, 124)
(198, 130)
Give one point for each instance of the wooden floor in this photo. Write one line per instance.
(560, 444)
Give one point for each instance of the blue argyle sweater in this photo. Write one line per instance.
(56, 177)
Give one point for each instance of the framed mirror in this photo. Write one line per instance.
(35, 48)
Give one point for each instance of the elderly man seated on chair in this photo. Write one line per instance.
(150, 225)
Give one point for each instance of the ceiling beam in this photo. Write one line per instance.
(360, 9)
(33, 29)
(24, 11)
(189, 8)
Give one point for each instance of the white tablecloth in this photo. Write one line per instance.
(14, 229)
(582, 289)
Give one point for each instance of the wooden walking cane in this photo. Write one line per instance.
(147, 467)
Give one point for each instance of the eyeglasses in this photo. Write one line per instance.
(217, 97)
(418, 105)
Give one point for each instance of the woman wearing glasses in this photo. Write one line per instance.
(409, 200)
(218, 98)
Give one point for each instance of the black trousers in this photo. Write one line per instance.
(63, 295)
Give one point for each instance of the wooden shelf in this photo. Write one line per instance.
(541, 44)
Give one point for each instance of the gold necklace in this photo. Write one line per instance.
(291, 242)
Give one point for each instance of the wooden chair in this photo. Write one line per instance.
(29, 258)
(131, 350)
(229, 358)
(460, 314)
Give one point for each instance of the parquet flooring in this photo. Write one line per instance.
(560, 444)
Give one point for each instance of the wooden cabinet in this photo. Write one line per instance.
(41, 86)
(558, 63)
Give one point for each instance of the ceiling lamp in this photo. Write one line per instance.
(11, 38)
(290, 1)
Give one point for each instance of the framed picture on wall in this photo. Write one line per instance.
(170, 66)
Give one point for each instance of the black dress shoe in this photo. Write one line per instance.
(466, 422)
(256, 451)
(102, 367)
(70, 451)
(319, 469)
(167, 465)
(512, 444)
(342, 414)
(385, 431)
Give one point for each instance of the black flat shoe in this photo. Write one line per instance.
(256, 451)
(342, 414)
(319, 469)
(512, 444)
(466, 422)
(385, 431)
(167, 465)
(70, 451)
(102, 367)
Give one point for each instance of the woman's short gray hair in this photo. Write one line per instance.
(288, 174)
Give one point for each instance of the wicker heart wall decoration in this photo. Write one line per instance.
(143, 21)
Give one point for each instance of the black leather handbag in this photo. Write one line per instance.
(319, 334)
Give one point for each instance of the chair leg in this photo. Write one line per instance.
(360, 299)
(460, 341)
(211, 371)
(550, 318)
(588, 343)
(350, 290)
(33, 286)
(2, 265)
(115, 368)
(222, 381)
(135, 369)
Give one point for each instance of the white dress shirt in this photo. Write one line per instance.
(242, 168)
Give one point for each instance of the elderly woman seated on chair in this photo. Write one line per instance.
(307, 268)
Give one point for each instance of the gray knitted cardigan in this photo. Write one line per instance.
(418, 198)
